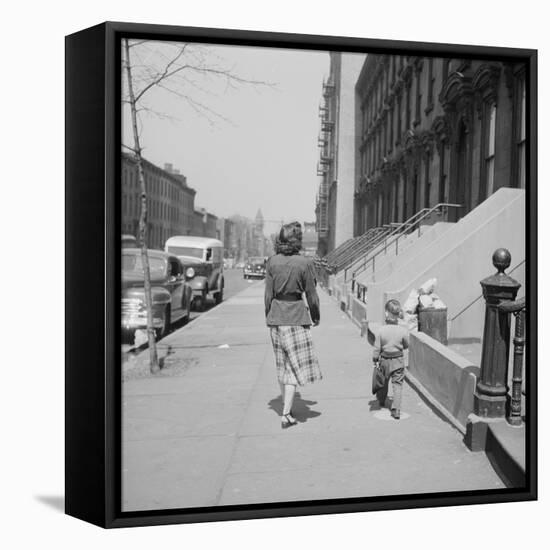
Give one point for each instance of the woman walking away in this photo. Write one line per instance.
(289, 277)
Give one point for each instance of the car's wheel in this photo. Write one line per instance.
(164, 329)
(201, 301)
(219, 295)
(188, 309)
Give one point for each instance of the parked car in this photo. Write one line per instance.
(128, 241)
(202, 259)
(255, 267)
(171, 293)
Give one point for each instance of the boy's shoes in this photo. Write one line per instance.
(396, 413)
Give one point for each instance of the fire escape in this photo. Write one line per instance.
(325, 142)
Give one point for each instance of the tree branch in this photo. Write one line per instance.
(165, 74)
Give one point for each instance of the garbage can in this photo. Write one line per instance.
(433, 322)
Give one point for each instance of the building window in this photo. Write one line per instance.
(521, 135)
(391, 129)
(369, 156)
(408, 107)
(385, 134)
(442, 177)
(367, 109)
(427, 182)
(446, 64)
(395, 191)
(418, 99)
(431, 83)
(489, 160)
(378, 144)
(398, 137)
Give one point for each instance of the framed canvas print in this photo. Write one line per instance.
(301, 274)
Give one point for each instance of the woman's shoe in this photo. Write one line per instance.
(396, 413)
(287, 420)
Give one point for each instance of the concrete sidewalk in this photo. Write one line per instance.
(206, 430)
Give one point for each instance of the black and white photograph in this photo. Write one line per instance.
(278, 276)
(323, 274)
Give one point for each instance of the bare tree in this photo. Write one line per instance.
(186, 71)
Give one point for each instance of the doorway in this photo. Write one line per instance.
(460, 185)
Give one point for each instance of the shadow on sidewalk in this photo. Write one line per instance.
(300, 409)
(375, 406)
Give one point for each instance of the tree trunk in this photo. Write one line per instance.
(153, 356)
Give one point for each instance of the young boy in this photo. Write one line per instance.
(390, 342)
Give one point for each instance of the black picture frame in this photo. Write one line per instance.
(93, 385)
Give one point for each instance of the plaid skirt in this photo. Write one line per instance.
(295, 358)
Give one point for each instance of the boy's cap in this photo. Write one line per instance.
(393, 307)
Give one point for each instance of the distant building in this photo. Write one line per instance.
(337, 143)
(224, 230)
(170, 201)
(241, 238)
(309, 239)
(205, 224)
(259, 238)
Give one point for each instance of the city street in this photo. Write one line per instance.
(205, 431)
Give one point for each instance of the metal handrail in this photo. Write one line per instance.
(337, 257)
(403, 229)
(358, 244)
(518, 308)
(363, 246)
(333, 254)
(399, 228)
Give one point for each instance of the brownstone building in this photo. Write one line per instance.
(171, 204)
(170, 201)
(434, 130)
(205, 224)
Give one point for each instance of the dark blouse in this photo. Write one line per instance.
(290, 275)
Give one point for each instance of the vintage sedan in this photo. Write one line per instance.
(255, 267)
(171, 293)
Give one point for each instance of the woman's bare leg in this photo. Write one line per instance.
(289, 393)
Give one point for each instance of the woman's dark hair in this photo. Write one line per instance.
(289, 241)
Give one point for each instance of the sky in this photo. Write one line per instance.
(263, 153)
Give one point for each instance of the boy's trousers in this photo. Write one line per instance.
(393, 369)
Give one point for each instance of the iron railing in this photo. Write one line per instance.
(392, 239)
(518, 309)
(359, 247)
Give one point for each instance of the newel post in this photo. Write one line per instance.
(491, 390)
